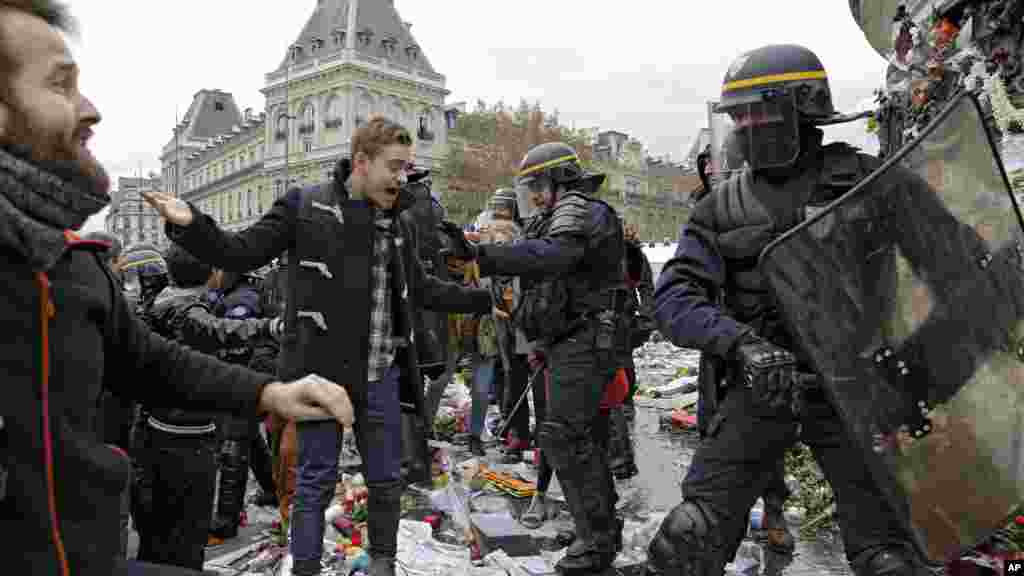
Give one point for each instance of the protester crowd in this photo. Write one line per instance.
(144, 385)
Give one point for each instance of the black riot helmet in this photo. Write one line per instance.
(554, 163)
(768, 95)
(145, 273)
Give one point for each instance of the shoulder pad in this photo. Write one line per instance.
(570, 215)
(843, 166)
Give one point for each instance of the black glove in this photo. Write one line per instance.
(461, 248)
(768, 370)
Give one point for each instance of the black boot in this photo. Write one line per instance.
(234, 472)
(586, 490)
(384, 508)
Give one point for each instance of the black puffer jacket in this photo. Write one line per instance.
(183, 315)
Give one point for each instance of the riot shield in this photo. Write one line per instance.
(907, 296)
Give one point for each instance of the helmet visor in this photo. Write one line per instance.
(761, 131)
(527, 188)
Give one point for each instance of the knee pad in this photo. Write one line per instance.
(888, 561)
(685, 543)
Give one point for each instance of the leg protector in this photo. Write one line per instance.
(686, 544)
(893, 560)
(622, 460)
(583, 473)
(234, 473)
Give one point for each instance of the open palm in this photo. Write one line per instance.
(173, 210)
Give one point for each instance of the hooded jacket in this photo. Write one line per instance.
(333, 235)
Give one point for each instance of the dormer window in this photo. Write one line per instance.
(317, 44)
(339, 37)
(296, 52)
(389, 46)
(412, 51)
(365, 37)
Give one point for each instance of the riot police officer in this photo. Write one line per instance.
(571, 267)
(713, 297)
(144, 274)
(174, 478)
(242, 447)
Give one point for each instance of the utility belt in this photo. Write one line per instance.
(604, 324)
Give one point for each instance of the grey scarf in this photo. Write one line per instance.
(37, 205)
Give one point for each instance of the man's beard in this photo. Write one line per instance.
(58, 154)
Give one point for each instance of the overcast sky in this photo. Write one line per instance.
(644, 67)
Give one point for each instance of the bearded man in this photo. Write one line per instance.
(70, 335)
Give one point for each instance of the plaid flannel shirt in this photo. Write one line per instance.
(382, 341)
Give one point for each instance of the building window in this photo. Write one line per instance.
(365, 37)
(339, 37)
(307, 145)
(252, 202)
(412, 51)
(308, 119)
(282, 128)
(424, 132)
(218, 106)
(278, 189)
(388, 44)
(317, 45)
(333, 115)
(296, 53)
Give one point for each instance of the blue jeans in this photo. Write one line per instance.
(483, 382)
(379, 437)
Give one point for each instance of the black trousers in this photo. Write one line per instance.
(172, 497)
(740, 460)
(574, 434)
(519, 379)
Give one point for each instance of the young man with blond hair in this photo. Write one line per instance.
(357, 283)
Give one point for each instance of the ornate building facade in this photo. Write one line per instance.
(352, 59)
(130, 218)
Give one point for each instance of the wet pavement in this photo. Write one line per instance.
(662, 452)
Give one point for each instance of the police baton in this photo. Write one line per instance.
(519, 402)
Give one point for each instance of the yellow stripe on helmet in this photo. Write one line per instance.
(547, 164)
(142, 262)
(775, 78)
